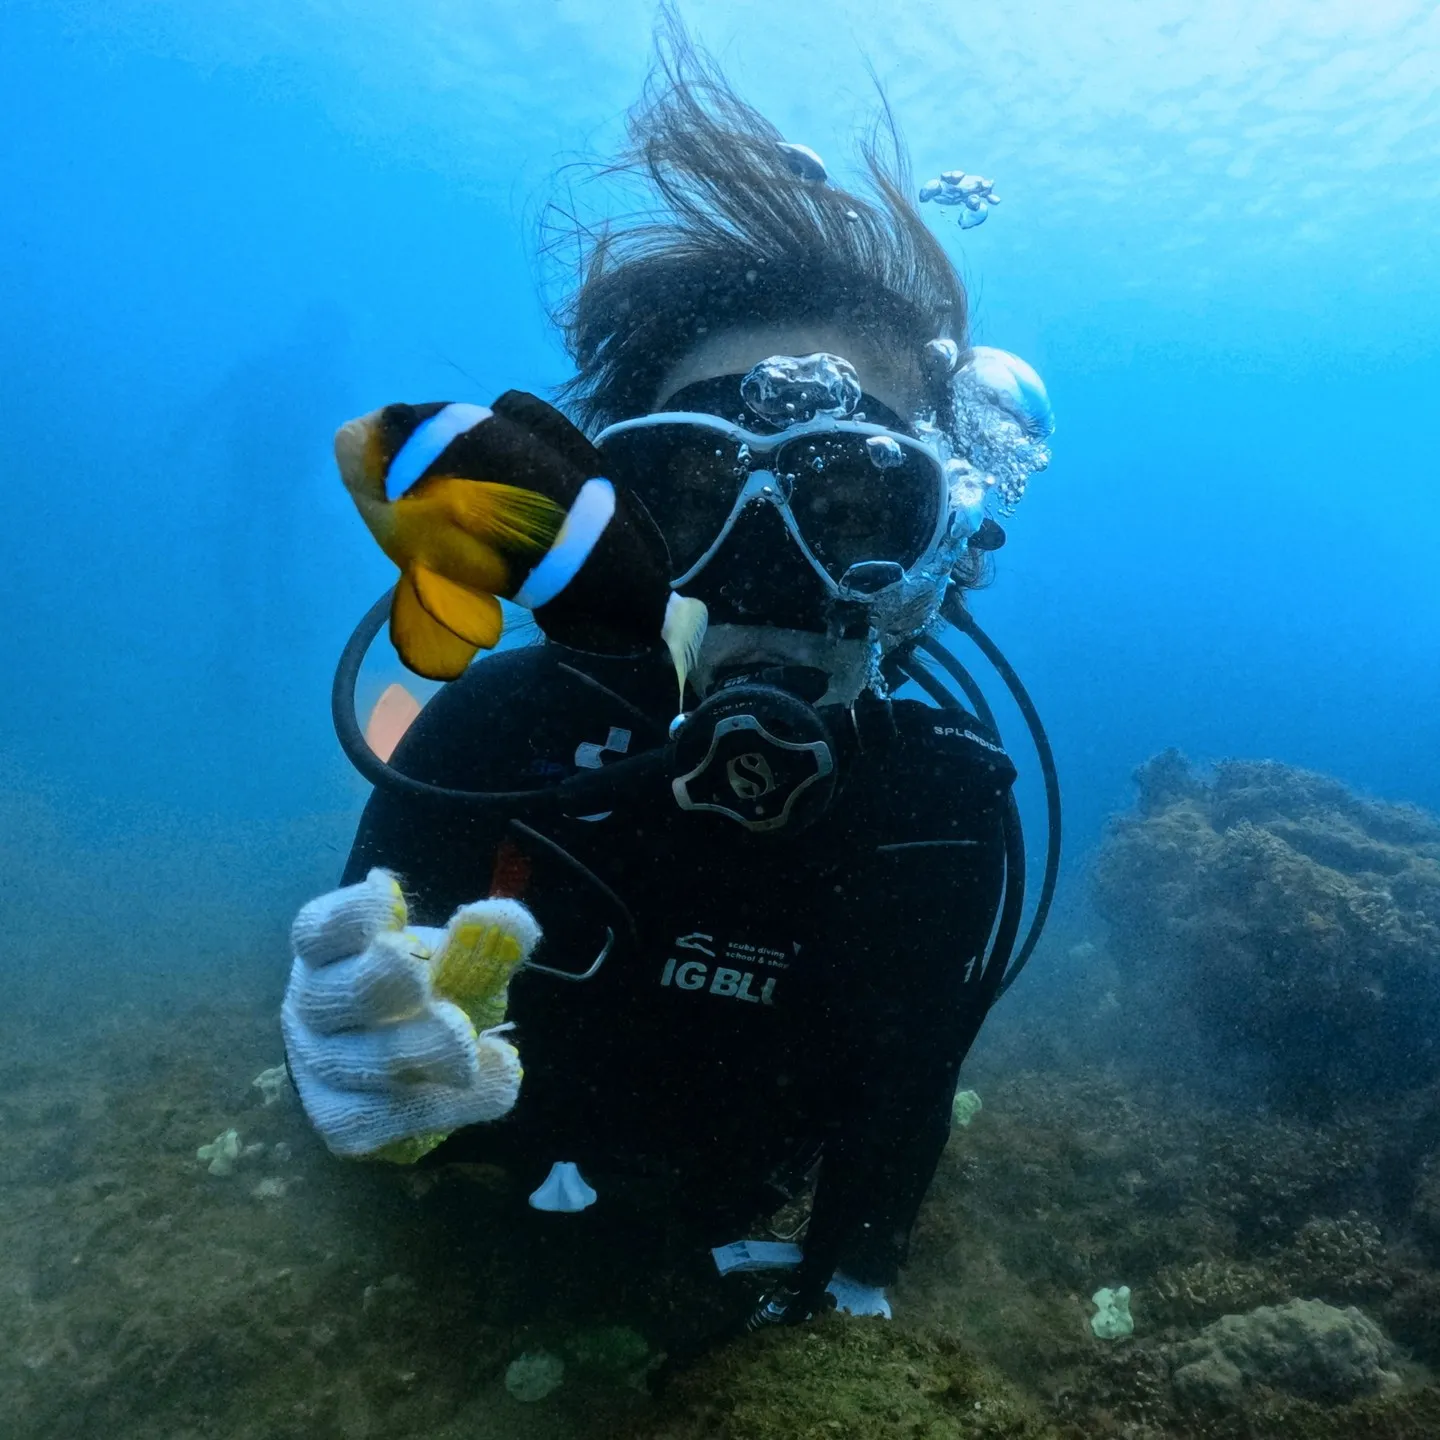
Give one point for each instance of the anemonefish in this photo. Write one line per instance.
(475, 502)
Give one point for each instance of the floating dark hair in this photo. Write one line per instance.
(725, 233)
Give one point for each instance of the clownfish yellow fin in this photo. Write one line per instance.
(476, 618)
(683, 632)
(425, 645)
(509, 518)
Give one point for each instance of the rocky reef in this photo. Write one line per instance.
(1294, 923)
(298, 1298)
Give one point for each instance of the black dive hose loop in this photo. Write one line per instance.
(352, 737)
(954, 611)
(989, 977)
(935, 651)
(581, 794)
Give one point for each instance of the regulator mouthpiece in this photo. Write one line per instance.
(757, 755)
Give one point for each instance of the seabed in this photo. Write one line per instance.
(298, 1296)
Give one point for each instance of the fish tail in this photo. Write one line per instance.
(683, 632)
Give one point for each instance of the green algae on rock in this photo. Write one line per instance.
(1112, 1319)
(964, 1108)
(609, 1351)
(534, 1375)
(273, 1084)
(222, 1153)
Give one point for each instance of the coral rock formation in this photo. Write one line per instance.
(1305, 1348)
(1296, 923)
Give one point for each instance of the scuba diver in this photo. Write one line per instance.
(741, 953)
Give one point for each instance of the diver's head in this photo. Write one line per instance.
(745, 256)
(798, 504)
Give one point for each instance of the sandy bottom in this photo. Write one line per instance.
(299, 1296)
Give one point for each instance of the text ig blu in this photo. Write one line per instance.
(735, 984)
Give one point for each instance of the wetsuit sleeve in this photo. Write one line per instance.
(911, 1009)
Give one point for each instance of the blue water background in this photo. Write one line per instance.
(224, 229)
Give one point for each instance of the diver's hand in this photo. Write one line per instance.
(390, 1031)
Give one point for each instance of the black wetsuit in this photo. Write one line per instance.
(765, 996)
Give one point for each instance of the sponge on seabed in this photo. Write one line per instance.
(344, 922)
(484, 945)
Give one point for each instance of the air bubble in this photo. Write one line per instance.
(1003, 422)
(803, 162)
(972, 194)
(788, 389)
(885, 452)
(940, 357)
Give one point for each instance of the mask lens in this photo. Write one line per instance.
(688, 477)
(849, 509)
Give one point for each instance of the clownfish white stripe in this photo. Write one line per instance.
(579, 535)
(427, 444)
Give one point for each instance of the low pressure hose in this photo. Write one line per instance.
(955, 612)
(587, 793)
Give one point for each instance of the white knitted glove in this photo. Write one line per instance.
(393, 1034)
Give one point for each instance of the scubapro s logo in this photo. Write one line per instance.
(750, 775)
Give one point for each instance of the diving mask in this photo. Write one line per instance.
(867, 507)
